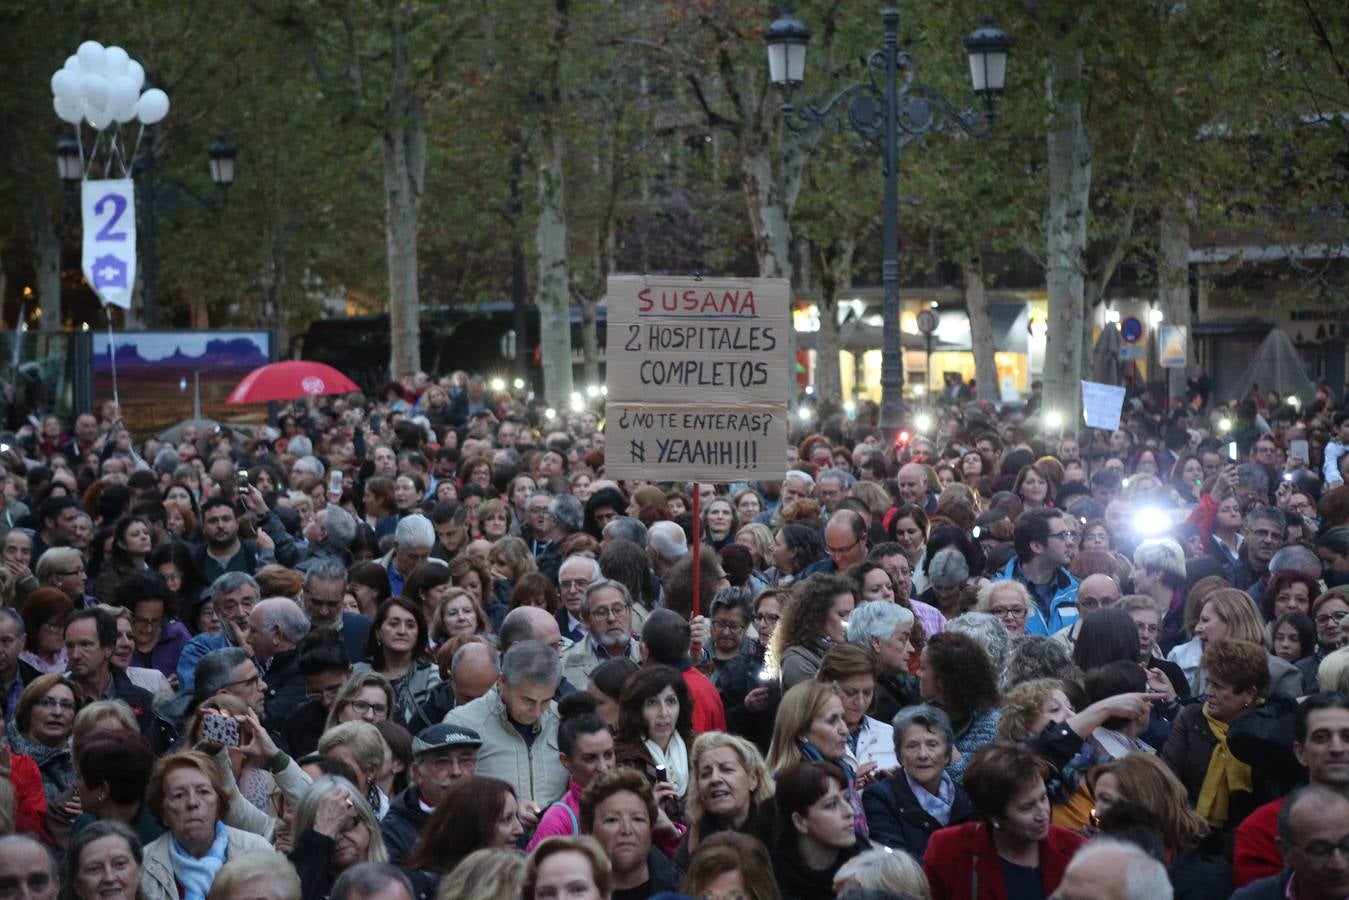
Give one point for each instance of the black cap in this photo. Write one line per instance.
(444, 737)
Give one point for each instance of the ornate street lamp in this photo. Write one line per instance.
(222, 162)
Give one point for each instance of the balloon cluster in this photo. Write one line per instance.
(102, 85)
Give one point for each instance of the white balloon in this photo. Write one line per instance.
(69, 109)
(65, 82)
(127, 113)
(115, 61)
(122, 93)
(154, 106)
(91, 55)
(95, 89)
(97, 117)
(136, 73)
(73, 64)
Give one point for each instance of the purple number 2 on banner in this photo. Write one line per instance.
(119, 206)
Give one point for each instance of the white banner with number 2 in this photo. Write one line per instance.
(108, 209)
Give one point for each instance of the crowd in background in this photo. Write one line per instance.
(417, 645)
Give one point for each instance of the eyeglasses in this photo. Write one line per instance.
(52, 703)
(1095, 602)
(1321, 851)
(327, 693)
(246, 682)
(609, 612)
(79, 571)
(362, 707)
(1336, 617)
(1008, 612)
(1061, 535)
(724, 625)
(835, 551)
(147, 623)
(766, 619)
(441, 763)
(574, 584)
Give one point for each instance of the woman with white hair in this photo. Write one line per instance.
(334, 830)
(885, 629)
(880, 873)
(1008, 601)
(989, 633)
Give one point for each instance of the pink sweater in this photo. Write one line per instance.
(555, 821)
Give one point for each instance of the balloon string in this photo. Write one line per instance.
(112, 358)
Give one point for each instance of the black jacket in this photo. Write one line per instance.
(300, 732)
(895, 818)
(800, 882)
(402, 824)
(285, 688)
(139, 699)
(1275, 887)
(734, 679)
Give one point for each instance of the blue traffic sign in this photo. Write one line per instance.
(1130, 330)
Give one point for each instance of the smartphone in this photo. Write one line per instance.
(661, 776)
(1299, 450)
(241, 481)
(374, 423)
(1232, 451)
(218, 729)
(335, 482)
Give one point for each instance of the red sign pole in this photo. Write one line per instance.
(697, 546)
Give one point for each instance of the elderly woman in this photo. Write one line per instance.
(948, 573)
(1218, 784)
(619, 810)
(187, 795)
(817, 834)
(1008, 601)
(853, 671)
(730, 794)
(886, 629)
(334, 830)
(40, 728)
(570, 867)
(104, 863)
(955, 675)
(113, 771)
(811, 623)
(904, 810)
(1013, 850)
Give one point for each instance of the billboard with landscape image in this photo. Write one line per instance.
(156, 372)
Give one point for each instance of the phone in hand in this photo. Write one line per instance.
(335, 483)
(1232, 451)
(241, 481)
(1300, 451)
(219, 729)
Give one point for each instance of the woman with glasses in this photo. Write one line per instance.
(44, 612)
(40, 728)
(1328, 613)
(1008, 601)
(396, 649)
(1142, 609)
(158, 635)
(366, 697)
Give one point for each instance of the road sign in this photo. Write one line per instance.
(1130, 353)
(927, 321)
(1172, 346)
(1130, 330)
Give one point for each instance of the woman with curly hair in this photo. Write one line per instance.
(477, 471)
(956, 676)
(812, 621)
(795, 548)
(655, 731)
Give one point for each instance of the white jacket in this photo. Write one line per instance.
(157, 878)
(534, 770)
(875, 743)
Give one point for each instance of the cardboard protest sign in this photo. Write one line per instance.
(698, 376)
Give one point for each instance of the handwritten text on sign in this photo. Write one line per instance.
(698, 378)
(108, 211)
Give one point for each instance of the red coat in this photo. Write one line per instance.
(30, 802)
(962, 864)
(1256, 855)
(709, 714)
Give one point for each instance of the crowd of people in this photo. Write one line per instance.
(418, 646)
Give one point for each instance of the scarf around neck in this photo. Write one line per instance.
(1226, 774)
(675, 760)
(196, 875)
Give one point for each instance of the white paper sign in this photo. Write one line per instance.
(108, 209)
(698, 373)
(1102, 404)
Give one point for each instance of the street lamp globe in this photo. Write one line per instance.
(987, 48)
(68, 163)
(787, 38)
(222, 155)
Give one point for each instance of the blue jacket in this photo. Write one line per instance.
(1062, 608)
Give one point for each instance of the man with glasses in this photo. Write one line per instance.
(1321, 744)
(325, 587)
(91, 637)
(606, 609)
(1041, 541)
(845, 544)
(233, 595)
(1265, 526)
(831, 487)
(231, 671)
(574, 578)
(1094, 593)
(324, 667)
(441, 755)
(1313, 829)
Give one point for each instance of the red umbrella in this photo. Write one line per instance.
(290, 380)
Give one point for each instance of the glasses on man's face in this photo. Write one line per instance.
(1321, 851)
(143, 622)
(326, 694)
(1061, 535)
(1095, 603)
(728, 625)
(251, 681)
(322, 604)
(1008, 612)
(615, 611)
(365, 708)
(1335, 617)
(65, 706)
(835, 551)
(448, 761)
(574, 584)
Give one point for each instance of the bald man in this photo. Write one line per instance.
(473, 671)
(1107, 869)
(1094, 593)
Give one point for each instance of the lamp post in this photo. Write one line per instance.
(888, 115)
